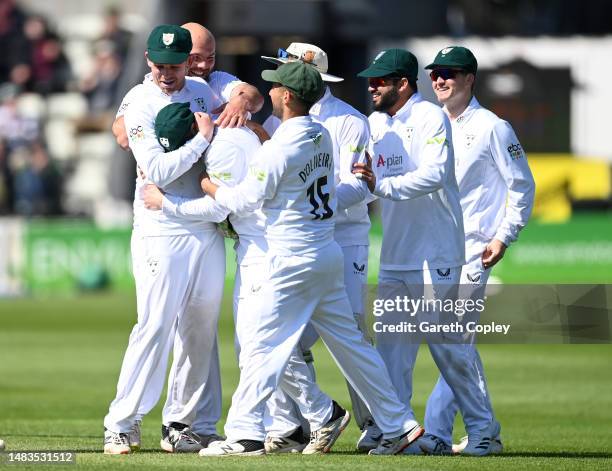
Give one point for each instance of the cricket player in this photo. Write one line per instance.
(350, 134)
(227, 160)
(423, 238)
(240, 99)
(174, 293)
(497, 192)
(291, 179)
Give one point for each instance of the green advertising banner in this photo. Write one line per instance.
(64, 255)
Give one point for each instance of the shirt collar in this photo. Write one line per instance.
(293, 121)
(315, 110)
(464, 117)
(414, 98)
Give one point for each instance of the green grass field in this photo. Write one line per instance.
(60, 359)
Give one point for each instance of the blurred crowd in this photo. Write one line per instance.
(35, 68)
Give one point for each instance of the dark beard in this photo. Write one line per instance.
(387, 100)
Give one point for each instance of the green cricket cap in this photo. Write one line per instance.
(169, 44)
(456, 57)
(174, 125)
(398, 62)
(301, 78)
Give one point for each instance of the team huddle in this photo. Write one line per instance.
(455, 190)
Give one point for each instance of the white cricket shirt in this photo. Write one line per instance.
(227, 161)
(496, 185)
(414, 166)
(350, 133)
(291, 179)
(175, 172)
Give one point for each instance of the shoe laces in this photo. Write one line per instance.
(119, 438)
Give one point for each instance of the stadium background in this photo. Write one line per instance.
(66, 293)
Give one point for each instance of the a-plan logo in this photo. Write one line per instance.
(391, 161)
(515, 151)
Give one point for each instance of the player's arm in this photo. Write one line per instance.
(120, 133)
(514, 169)
(260, 183)
(354, 138)
(194, 209)
(118, 127)
(241, 100)
(161, 167)
(435, 153)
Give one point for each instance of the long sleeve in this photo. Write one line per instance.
(511, 161)
(434, 153)
(353, 137)
(260, 183)
(160, 167)
(226, 166)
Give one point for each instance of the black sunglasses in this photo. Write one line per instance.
(446, 74)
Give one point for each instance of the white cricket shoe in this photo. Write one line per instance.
(116, 443)
(370, 436)
(238, 448)
(293, 443)
(495, 447)
(395, 445)
(134, 436)
(323, 439)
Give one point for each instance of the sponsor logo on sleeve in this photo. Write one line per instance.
(223, 176)
(136, 133)
(123, 107)
(257, 173)
(515, 151)
(316, 139)
(437, 140)
(356, 148)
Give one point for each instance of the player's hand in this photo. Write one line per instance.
(120, 133)
(234, 113)
(153, 197)
(258, 129)
(365, 172)
(205, 124)
(493, 253)
(207, 185)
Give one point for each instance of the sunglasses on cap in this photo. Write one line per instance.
(445, 74)
(284, 54)
(376, 82)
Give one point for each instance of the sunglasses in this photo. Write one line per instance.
(284, 54)
(445, 74)
(376, 82)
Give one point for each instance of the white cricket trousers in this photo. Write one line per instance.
(457, 362)
(283, 414)
(179, 287)
(299, 288)
(442, 406)
(314, 405)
